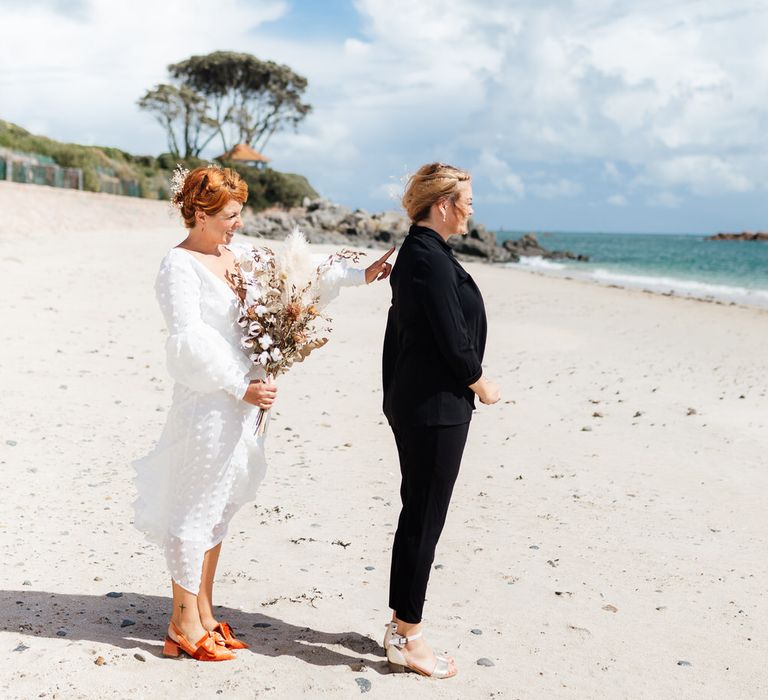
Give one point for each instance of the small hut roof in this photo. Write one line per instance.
(243, 152)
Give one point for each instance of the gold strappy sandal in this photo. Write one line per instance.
(394, 644)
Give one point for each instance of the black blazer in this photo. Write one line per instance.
(435, 337)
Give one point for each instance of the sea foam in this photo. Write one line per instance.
(687, 287)
(536, 262)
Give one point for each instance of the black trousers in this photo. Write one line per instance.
(429, 463)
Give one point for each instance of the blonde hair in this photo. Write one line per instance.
(428, 185)
(208, 189)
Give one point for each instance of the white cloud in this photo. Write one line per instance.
(666, 98)
(611, 172)
(704, 175)
(355, 48)
(617, 200)
(556, 189)
(499, 175)
(83, 70)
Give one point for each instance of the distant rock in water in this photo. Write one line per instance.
(325, 222)
(743, 236)
(528, 246)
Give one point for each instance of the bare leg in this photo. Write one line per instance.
(205, 596)
(185, 615)
(418, 652)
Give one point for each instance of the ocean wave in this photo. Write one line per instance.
(681, 286)
(536, 262)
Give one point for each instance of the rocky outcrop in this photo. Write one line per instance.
(325, 222)
(743, 236)
(322, 221)
(528, 246)
(481, 244)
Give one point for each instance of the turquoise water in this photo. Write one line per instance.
(683, 264)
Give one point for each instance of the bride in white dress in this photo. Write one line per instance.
(207, 462)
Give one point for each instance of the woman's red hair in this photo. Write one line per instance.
(209, 189)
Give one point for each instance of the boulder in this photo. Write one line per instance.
(325, 222)
(528, 245)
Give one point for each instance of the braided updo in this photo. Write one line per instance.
(208, 189)
(428, 185)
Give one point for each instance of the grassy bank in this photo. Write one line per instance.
(150, 174)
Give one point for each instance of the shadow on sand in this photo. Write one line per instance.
(126, 619)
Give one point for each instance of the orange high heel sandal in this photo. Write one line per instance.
(206, 648)
(230, 641)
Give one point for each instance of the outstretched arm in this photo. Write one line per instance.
(338, 273)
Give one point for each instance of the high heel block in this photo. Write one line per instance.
(171, 648)
(394, 645)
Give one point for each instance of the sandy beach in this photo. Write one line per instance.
(607, 536)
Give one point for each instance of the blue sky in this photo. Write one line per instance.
(606, 115)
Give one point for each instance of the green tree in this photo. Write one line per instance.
(251, 99)
(183, 113)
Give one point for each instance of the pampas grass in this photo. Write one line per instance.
(296, 266)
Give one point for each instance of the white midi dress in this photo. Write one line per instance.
(208, 462)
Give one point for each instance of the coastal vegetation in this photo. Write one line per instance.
(149, 175)
(235, 97)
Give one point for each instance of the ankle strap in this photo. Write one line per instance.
(397, 640)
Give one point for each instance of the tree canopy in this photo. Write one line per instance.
(235, 95)
(183, 113)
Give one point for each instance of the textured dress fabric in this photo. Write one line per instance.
(208, 462)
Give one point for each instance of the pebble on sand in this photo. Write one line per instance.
(684, 663)
(364, 684)
(139, 657)
(114, 594)
(483, 661)
(476, 631)
(127, 623)
(100, 661)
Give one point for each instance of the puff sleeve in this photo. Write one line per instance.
(197, 355)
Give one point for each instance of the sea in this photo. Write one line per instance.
(683, 264)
